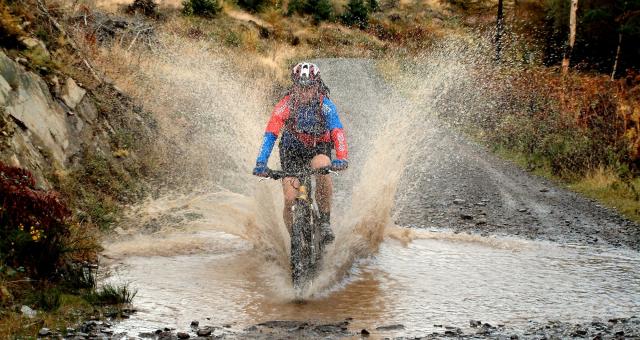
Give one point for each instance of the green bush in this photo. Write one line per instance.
(558, 143)
(203, 8)
(232, 39)
(356, 14)
(77, 277)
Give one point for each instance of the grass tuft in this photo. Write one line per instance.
(110, 294)
(48, 299)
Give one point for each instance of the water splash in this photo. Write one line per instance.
(216, 118)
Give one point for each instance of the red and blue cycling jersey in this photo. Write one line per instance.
(280, 116)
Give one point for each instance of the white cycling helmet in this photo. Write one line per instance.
(305, 74)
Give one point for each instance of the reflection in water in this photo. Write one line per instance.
(439, 278)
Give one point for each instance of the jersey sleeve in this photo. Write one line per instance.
(335, 129)
(279, 115)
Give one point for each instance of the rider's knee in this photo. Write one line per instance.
(320, 161)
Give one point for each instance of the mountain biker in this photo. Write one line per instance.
(309, 122)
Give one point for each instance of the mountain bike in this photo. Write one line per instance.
(306, 245)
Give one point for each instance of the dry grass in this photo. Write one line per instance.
(600, 178)
(10, 29)
(114, 5)
(605, 186)
(297, 38)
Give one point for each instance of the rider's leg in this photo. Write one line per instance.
(324, 191)
(324, 183)
(289, 185)
(292, 158)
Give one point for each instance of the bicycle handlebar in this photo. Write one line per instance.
(279, 174)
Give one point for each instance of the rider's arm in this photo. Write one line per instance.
(335, 128)
(278, 116)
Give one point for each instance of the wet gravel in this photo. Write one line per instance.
(621, 328)
(618, 328)
(468, 189)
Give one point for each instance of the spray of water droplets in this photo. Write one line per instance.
(216, 118)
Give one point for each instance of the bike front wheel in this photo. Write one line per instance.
(300, 245)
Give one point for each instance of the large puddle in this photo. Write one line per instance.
(437, 279)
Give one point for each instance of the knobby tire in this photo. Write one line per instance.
(300, 241)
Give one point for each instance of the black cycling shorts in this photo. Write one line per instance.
(295, 158)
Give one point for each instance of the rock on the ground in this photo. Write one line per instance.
(390, 327)
(44, 331)
(205, 331)
(466, 216)
(72, 94)
(167, 335)
(28, 312)
(481, 221)
(36, 46)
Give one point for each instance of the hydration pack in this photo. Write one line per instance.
(308, 118)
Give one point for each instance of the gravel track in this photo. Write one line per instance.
(475, 191)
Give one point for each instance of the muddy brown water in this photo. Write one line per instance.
(438, 278)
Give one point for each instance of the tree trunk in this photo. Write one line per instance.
(615, 63)
(572, 36)
(499, 30)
